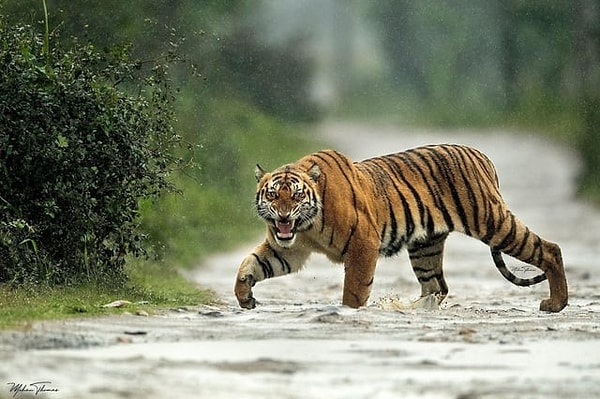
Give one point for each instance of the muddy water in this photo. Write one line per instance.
(487, 341)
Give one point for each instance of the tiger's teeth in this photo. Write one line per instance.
(285, 230)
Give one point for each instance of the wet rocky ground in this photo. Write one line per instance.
(488, 339)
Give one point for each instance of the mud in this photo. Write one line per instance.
(488, 339)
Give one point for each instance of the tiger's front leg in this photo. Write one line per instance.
(359, 268)
(244, 282)
(265, 262)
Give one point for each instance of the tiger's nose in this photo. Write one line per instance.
(284, 215)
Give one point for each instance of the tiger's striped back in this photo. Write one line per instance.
(432, 190)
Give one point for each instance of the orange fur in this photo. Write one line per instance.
(356, 212)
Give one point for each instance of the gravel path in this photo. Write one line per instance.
(488, 341)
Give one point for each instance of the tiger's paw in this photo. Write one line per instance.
(551, 305)
(243, 291)
(249, 303)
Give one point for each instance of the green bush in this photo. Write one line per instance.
(84, 135)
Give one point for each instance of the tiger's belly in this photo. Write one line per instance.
(395, 240)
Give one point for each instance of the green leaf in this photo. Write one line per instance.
(62, 141)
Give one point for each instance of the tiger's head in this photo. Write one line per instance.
(287, 200)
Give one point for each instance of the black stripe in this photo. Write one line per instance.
(425, 255)
(324, 179)
(486, 163)
(430, 223)
(490, 225)
(488, 198)
(397, 171)
(285, 266)
(383, 231)
(410, 226)
(394, 245)
(393, 228)
(523, 242)
(488, 189)
(421, 270)
(449, 172)
(345, 249)
(509, 237)
(510, 249)
(536, 246)
(468, 164)
(319, 155)
(415, 168)
(266, 266)
(435, 192)
(380, 179)
(407, 162)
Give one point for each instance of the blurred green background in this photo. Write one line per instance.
(260, 75)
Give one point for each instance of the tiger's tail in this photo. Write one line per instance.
(522, 282)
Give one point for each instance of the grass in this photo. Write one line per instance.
(152, 287)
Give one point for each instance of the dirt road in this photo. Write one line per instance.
(488, 341)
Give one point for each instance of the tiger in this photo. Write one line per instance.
(356, 212)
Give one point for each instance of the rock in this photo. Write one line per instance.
(117, 304)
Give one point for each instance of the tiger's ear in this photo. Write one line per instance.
(259, 172)
(314, 173)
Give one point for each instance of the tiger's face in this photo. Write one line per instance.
(287, 201)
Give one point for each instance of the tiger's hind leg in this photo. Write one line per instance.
(514, 238)
(426, 257)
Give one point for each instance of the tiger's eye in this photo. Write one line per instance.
(299, 195)
(271, 195)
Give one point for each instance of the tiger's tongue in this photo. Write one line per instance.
(285, 229)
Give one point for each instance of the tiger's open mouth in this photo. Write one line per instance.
(285, 230)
